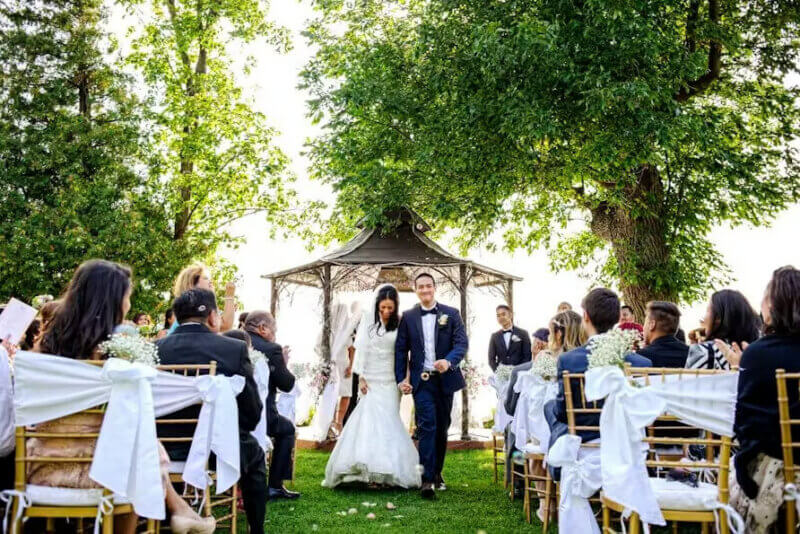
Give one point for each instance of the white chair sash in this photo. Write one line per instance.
(580, 479)
(6, 405)
(261, 376)
(704, 401)
(501, 416)
(626, 414)
(287, 403)
(126, 459)
(217, 427)
(540, 391)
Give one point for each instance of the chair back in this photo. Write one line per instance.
(575, 388)
(787, 382)
(191, 370)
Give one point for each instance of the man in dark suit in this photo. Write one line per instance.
(600, 314)
(262, 329)
(510, 345)
(660, 327)
(434, 336)
(196, 342)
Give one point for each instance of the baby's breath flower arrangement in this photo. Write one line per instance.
(611, 348)
(503, 372)
(545, 365)
(135, 349)
(257, 356)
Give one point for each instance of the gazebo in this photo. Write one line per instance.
(393, 255)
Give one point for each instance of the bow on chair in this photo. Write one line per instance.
(217, 430)
(540, 392)
(580, 479)
(626, 414)
(261, 376)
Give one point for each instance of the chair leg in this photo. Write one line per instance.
(50, 525)
(235, 507)
(606, 519)
(511, 493)
(108, 523)
(791, 516)
(634, 523)
(526, 493)
(548, 486)
(674, 527)
(704, 528)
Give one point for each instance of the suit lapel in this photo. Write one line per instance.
(418, 311)
(501, 344)
(436, 332)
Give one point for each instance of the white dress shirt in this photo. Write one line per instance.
(507, 338)
(429, 338)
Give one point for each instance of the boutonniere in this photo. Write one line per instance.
(515, 337)
(443, 319)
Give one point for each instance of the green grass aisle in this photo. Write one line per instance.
(472, 503)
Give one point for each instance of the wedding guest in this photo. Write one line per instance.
(196, 342)
(93, 306)
(696, 336)
(511, 345)
(197, 276)
(636, 327)
(757, 487)
(242, 320)
(660, 325)
(626, 314)
(729, 318)
(564, 306)
(142, 319)
(540, 338)
(600, 314)
(169, 320)
(262, 329)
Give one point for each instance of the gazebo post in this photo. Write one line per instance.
(326, 312)
(510, 294)
(463, 283)
(274, 296)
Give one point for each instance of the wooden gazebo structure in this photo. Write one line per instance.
(396, 255)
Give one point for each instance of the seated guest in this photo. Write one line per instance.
(660, 325)
(262, 328)
(626, 314)
(197, 276)
(757, 487)
(540, 338)
(564, 306)
(196, 342)
(730, 319)
(92, 308)
(510, 345)
(600, 314)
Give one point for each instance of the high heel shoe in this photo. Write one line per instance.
(189, 525)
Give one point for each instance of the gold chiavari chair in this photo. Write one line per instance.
(716, 458)
(87, 509)
(499, 456)
(788, 445)
(575, 383)
(223, 507)
(538, 484)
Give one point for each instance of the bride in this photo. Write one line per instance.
(374, 446)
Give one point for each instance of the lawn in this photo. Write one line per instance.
(471, 504)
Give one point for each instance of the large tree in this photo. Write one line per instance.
(70, 137)
(650, 120)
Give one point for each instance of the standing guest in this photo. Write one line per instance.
(510, 345)
(757, 487)
(242, 320)
(600, 314)
(564, 306)
(196, 342)
(540, 338)
(197, 276)
(169, 320)
(142, 319)
(663, 348)
(626, 314)
(729, 318)
(92, 308)
(262, 329)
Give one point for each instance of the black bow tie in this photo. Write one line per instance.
(508, 331)
(426, 312)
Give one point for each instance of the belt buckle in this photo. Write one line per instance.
(425, 376)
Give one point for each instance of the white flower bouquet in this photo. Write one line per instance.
(135, 349)
(611, 348)
(256, 356)
(503, 373)
(545, 365)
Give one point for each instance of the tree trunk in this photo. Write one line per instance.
(637, 232)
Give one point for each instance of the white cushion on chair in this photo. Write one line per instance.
(48, 496)
(674, 495)
(533, 448)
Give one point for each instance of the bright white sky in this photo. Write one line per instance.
(751, 253)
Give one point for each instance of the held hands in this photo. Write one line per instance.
(362, 386)
(732, 353)
(441, 365)
(287, 350)
(404, 387)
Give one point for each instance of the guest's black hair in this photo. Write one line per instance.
(89, 310)
(240, 335)
(602, 307)
(388, 293)
(424, 275)
(626, 307)
(194, 304)
(167, 316)
(503, 307)
(666, 315)
(732, 318)
(784, 296)
(242, 319)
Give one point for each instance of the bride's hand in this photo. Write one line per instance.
(362, 385)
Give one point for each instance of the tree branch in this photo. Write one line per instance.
(702, 83)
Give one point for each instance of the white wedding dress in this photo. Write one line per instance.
(374, 446)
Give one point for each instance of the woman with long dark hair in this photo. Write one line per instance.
(729, 318)
(758, 485)
(92, 308)
(374, 446)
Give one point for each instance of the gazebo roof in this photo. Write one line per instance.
(402, 249)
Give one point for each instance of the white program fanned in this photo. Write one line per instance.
(15, 319)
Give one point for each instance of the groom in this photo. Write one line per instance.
(434, 335)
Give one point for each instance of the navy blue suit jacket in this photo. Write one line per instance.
(576, 361)
(451, 345)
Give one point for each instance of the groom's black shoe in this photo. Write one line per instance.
(438, 483)
(427, 491)
(281, 493)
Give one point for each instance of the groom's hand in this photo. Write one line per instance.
(441, 365)
(405, 387)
